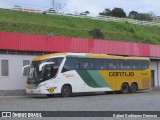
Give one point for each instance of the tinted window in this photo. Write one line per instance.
(136, 65)
(56, 60)
(144, 65)
(70, 64)
(4, 68)
(49, 72)
(113, 64)
(86, 64)
(126, 65)
(100, 64)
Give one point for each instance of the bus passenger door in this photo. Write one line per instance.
(153, 78)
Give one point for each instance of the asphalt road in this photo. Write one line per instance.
(142, 101)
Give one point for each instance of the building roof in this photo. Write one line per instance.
(43, 43)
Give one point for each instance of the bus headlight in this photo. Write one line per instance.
(51, 89)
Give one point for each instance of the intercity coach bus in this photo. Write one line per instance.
(67, 73)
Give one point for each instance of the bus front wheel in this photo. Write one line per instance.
(66, 91)
(124, 88)
(133, 88)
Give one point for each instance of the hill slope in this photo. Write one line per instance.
(30, 23)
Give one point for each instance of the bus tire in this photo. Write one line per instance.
(124, 88)
(66, 91)
(133, 88)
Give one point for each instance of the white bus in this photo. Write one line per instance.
(67, 73)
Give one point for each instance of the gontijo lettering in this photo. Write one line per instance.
(112, 74)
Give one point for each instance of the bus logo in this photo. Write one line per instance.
(6, 114)
(114, 74)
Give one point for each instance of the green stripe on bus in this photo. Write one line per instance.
(87, 78)
(98, 78)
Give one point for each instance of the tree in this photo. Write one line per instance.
(60, 6)
(87, 12)
(106, 12)
(151, 14)
(118, 12)
(143, 16)
(96, 33)
(132, 14)
(84, 13)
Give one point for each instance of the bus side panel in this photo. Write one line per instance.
(116, 78)
(94, 80)
(145, 82)
(72, 78)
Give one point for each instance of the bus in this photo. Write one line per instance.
(67, 73)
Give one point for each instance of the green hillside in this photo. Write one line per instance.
(31, 23)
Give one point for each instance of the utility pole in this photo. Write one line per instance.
(53, 2)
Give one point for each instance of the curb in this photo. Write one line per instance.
(23, 92)
(13, 93)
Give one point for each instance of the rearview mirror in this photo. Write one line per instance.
(46, 63)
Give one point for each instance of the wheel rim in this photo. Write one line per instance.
(125, 88)
(134, 88)
(66, 91)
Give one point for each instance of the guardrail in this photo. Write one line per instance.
(116, 19)
(104, 18)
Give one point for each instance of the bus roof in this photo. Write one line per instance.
(86, 55)
(48, 56)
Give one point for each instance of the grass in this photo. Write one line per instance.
(31, 23)
(156, 21)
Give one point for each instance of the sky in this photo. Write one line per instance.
(93, 6)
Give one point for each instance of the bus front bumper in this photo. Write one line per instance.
(41, 90)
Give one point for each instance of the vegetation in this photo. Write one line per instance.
(119, 12)
(156, 21)
(31, 23)
(141, 16)
(96, 34)
(116, 12)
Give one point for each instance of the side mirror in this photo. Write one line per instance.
(24, 68)
(46, 63)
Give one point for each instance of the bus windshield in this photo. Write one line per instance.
(35, 76)
(49, 71)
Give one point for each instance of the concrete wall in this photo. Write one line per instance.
(15, 80)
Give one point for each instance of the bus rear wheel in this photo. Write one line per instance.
(133, 88)
(66, 91)
(124, 88)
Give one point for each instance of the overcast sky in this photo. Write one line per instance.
(93, 6)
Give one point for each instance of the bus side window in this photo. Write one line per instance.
(86, 64)
(100, 64)
(136, 65)
(126, 65)
(113, 64)
(144, 64)
(70, 64)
